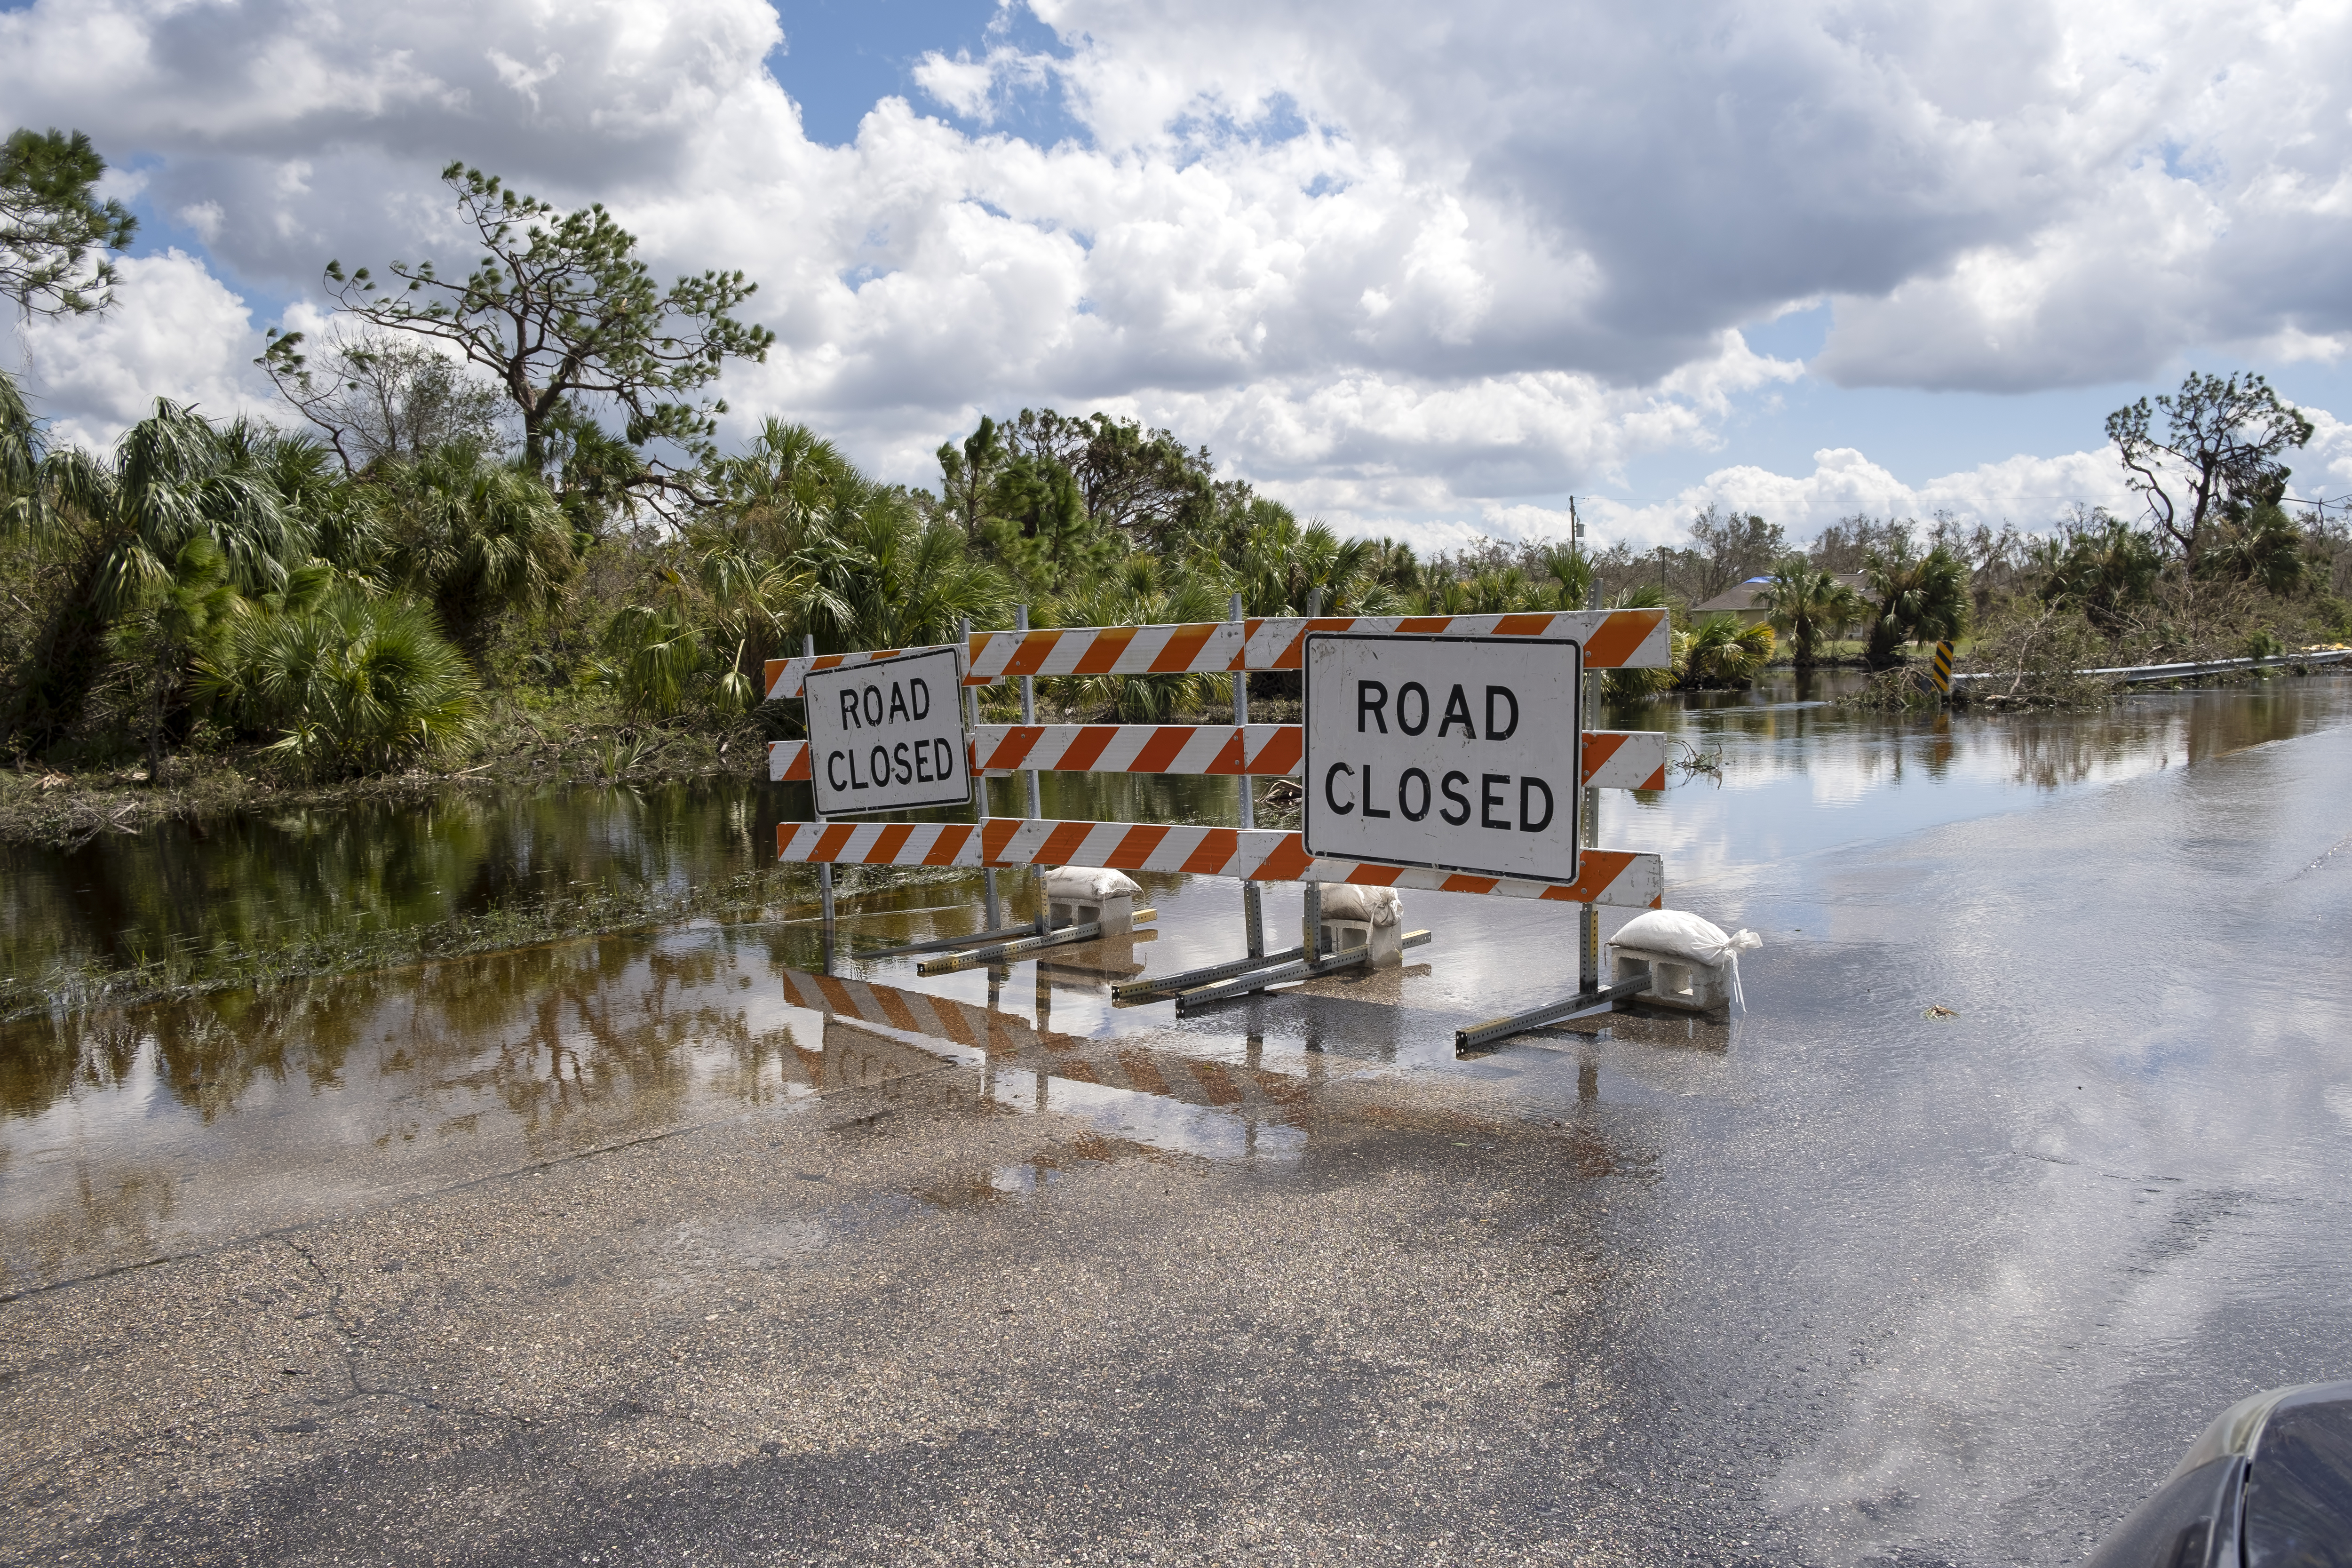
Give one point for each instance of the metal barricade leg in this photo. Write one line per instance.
(995, 910)
(1252, 898)
(1029, 775)
(823, 867)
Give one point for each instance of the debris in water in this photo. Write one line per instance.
(1939, 1013)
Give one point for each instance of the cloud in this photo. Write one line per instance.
(2035, 493)
(177, 332)
(1396, 261)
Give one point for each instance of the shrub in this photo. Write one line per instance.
(350, 684)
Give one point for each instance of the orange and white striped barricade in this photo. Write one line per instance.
(1622, 760)
(1613, 759)
(1612, 639)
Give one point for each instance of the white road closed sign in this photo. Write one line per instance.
(889, 736)
(1453, 752)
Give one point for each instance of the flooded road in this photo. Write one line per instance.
(598, 1249)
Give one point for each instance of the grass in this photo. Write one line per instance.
(517, 743)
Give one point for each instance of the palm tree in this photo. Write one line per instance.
(780, 485)
(123, 522)
(1720, 652)
(1632, 685)
(1136, 596)
(1282, 563)
(881, 575)
(186, 616)
(475, 535)
(654, 660)
(1567, 577)
(20, 452)
(1917, 597)
(351, 683)
(2105, 570)
(1810, 605)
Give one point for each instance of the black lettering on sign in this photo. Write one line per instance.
(1456, 796)
(1501, 732)
(848, 708)
(1412, 814)
(879, 763)
(906, 767)
(1369, 809)
(899, 701)
(919, 694)
(832, 769)
(1371, 698)
(873, 706)
(1525, 786)
(855, 781)
(944, 759)
(923, 765)
(1412, 689)
(1332, 795)
(1490, 796)
(1457, 712)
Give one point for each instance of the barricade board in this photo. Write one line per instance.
(889, 737)
(1450, 753)
(1613, 759)
(1625, 879)
(1612, 639)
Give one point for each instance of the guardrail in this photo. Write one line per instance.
(2137, 674)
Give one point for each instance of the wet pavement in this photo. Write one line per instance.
(668, 1248)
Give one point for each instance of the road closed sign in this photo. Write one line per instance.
(889, 736)
(1453, 752)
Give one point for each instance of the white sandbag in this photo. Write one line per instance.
(1678, 933)
(1353, 901)
(1088, 884)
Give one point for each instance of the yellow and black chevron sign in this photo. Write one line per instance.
(1942, 668)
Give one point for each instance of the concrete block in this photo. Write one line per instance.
(1675, 981)
(1387, 941)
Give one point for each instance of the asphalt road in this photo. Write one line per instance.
(615, 1255)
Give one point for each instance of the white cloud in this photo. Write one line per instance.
(177, 332)
(1394, 261)
(2035, 493)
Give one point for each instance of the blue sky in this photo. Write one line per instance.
(1418, 271)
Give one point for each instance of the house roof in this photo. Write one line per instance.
(1742, 595)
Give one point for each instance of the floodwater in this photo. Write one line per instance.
(1898, 1288)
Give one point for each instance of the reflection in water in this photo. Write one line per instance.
(142, 1133)
(1799, 777)
(127, 1134)
(266, 879)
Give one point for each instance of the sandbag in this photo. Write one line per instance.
(1088, 884)
(1678, 933)
(1354, 901)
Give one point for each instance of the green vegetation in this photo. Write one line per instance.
(508, 541)
(1811, 605)
(54, 231)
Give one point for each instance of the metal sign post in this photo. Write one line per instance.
(1029, 775)
(1453, 753)
(824, 868)
(1252, 899)
(995, 904)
